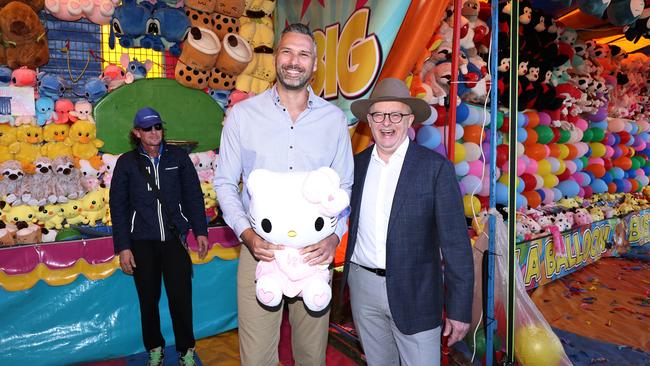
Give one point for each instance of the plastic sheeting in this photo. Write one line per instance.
(96, 320)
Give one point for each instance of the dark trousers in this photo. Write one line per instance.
(169, 260)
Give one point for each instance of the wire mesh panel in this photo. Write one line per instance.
(142, 54)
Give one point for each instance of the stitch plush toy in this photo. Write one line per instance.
(166, 29)
(129, 24)
(55, 136)
(134, 69)
(84, 143)
(23, 77)
(5, 75)
(94, 89)
(295, 210)
(50, 86)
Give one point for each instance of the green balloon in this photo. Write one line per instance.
(544, 134)
(67, 234)
(585, 161)
(480, 341)
(500, 117)
(587, 135)
(636, 164)
(598, 134)
(564, 136)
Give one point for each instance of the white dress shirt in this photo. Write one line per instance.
(376, 203)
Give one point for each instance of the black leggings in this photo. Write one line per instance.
(171, 260)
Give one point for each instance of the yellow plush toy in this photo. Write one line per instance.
(47, 216)
(15, 214)
(28, 145)
(72, 213)
(84, 143)
(93, 206)
(209, 195)
(258, 75)
(107, 216)
(56, 143)
(7, 137)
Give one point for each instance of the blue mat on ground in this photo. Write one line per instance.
(140, 359)
(589, 351)
(639, 253)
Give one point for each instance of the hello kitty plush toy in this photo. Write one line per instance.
(295, 210)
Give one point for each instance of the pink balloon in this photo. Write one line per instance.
(597, 161)
(485, 189)
(476, 168)
(521, 166)
(549, 196)
(609, 151)
(581, 192)
(581, 124)
(531, 168)
(578, 178)
(544, 119)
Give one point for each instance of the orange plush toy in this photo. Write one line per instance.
(23, 36)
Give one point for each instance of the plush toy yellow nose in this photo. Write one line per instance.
(291, 233)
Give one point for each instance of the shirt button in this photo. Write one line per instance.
(290, 168)
(292, 127)
(291, 147)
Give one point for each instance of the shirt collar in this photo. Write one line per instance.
(399, 153)
(160, 149)
(311, 101)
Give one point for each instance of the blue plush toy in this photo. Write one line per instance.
(220, 96)
(45, 111)
(5, 75)
(129, 24)
(593, 7)
(50, 86)
(94, 89)
(166, 29)
(624, 12)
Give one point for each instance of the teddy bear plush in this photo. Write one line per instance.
(47, 217)
(24, 36)
(7, 138)
(68, 179)
(85, 145)
(11, 185)
(39, 187)
(295, 210)
(56, 143)
(93, 206)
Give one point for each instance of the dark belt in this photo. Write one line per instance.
(378, 271)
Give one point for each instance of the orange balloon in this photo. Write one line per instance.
(555, 150)
(532, 136)
(533, 119)
(623, 162)
(611, 187)
(534, 199)
(472, 133)
(536, 151)
(573, 152)
(597, 170)
(635, 185)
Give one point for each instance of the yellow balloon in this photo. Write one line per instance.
(564, 151)
(597, 149)
(535, 346)
(471, 202)
(459, 153)
(562, 167)
(550, 180)
(543, 167)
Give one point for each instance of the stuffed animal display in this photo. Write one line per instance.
(295, 210)
(23, 36)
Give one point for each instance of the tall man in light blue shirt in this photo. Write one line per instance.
(287, 128)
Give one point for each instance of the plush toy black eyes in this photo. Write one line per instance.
(266, 225)
(318, 225)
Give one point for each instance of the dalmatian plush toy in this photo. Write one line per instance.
(295, 210)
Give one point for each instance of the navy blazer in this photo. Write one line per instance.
(425, 219)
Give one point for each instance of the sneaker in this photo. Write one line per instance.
(156, 357)
(187, 359)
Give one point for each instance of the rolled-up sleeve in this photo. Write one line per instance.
(228, 175)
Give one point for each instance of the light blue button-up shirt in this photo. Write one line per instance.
(258, 133)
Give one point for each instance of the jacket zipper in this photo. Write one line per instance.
(181, 211)
(133, 222)
(158, 206)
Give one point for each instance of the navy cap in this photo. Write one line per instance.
(146, 117)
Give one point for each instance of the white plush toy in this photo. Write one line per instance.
(294, 210)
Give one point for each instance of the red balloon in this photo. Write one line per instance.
(588, 191)
(607, 163)
(502, 154)
(624, 163)
(566, 174)
(635, 185)
(625, 136)
(611, 187)
(506, 123)
(556, 134)
(485, 201)
(529, 182)
(536, 151)
(442, 115)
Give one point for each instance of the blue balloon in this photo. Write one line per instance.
(541, 193)
(521, 201)
(579, 164)
(521, 185)
(616, 172)
(522, 119)
(462, 112)
(601, 125)
(646, 169)
(598, 186)
(462, 168)
(557, 193)
(428, 136)
(522, 134)
(620, 186)
(501, 193)
(607, 178)
(569, 188)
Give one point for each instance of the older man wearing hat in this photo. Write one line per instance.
(406, 213)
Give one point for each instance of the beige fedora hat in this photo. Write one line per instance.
(391, 89)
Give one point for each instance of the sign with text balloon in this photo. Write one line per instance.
(353, 39)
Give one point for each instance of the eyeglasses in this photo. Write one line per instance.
(393, 117)
(157, 127)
